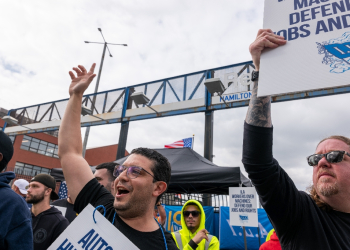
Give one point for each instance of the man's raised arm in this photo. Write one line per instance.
(75, 168)
(259, 111)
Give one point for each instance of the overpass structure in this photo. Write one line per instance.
(184, 94)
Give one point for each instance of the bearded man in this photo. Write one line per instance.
(319, 220)
(47, 222)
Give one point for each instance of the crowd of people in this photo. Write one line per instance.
(131, 192)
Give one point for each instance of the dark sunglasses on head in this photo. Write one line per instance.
(331, 157)
(132, 172)
(194, 213)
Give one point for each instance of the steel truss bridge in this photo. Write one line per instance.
(184, 94)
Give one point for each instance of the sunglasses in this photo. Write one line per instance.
(132, 172)
(331, 157)
(194, 213)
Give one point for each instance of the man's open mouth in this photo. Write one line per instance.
(122, 191)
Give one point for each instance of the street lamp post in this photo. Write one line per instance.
(105, 45)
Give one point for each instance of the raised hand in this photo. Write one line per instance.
(202, 234)
(82, 81)
(265, 39)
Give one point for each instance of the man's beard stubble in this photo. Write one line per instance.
(136, 206)
(327, 189)
(34, 199)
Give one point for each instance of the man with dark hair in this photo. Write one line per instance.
(142, 178)
(104, 175)
(48, 222)
(193, 234)
(161, 168)
(15, 224)
(302, 221)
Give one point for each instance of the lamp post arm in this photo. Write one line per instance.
(87, 131)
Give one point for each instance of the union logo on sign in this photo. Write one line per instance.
(336, 53)
(243, 217)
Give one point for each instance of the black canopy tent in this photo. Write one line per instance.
(192, 173)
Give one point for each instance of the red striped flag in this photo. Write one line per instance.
(184, 143)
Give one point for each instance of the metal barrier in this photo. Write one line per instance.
(180, 199)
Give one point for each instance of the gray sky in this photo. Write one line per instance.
(42, 40)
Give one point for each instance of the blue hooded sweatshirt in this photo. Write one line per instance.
(15, 219)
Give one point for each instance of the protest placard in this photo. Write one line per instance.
(63, 210)
(317, 53)
(243, 207)
(84, 233)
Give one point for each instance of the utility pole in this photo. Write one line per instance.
(105, 45)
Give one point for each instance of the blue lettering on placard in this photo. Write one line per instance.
(298, 4)
(324, 10)
(334, 23)
(87, 241)
(86, 238)
(295, 32)
(90, 242)
(68, 247)
(303, 29)
(321, 26)
(304, 15)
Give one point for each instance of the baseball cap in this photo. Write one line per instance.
(48, 181)
(22, 185)
(6, 147)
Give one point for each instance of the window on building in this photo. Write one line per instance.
(39, 146)
(12, 137)
(30, 170)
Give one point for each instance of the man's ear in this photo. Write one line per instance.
(1, 157)
(159, 188)
(48, 191)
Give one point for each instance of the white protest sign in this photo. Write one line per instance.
(243, 207)
(84, 233)
(63, 210)
(317, 53)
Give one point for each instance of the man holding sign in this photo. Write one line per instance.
(140, 181)
(317, 221)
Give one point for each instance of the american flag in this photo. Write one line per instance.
(184, 143)
(62, 193)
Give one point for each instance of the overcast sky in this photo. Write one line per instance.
(42, 40)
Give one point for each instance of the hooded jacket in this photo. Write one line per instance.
(16, 226)
(47, 226)
(272, 244)
(187, 235)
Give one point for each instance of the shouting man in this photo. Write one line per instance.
(139, 183)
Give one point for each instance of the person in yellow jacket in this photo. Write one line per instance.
(193, 234)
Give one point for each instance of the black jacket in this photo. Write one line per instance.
(47, 226)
